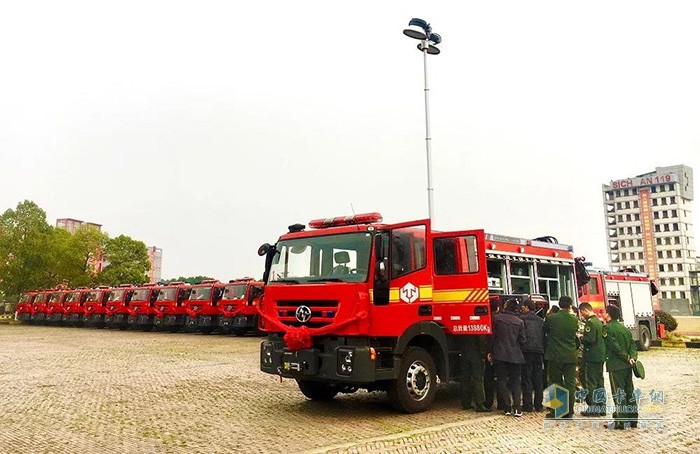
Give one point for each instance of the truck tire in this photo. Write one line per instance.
(414, 390)
(644, 341)
(317, 391)
(240, 331)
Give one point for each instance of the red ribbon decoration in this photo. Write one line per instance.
(301, 338)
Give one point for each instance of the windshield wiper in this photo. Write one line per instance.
(326, 279)
(287, 281)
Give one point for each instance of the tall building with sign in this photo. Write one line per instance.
(155, 257)
(97, 262)
(649, 227)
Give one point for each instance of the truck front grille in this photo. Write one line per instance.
(322, 312)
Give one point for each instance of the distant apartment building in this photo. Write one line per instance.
(649, 228)
(155, 257)
(72, 225)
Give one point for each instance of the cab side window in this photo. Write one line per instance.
(407, 250)
(456, 255)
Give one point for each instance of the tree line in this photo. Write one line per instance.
(34, 254)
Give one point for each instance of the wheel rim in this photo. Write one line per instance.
(646, 338)
(418, 380)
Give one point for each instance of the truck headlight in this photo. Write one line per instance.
(346, 358)
(267, 354)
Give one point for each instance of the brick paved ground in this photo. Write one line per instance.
(85, 390)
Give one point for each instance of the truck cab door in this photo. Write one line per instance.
(460, 282)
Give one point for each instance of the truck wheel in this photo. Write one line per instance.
(644, 338)
(207, 330)
(414, 390)
(317, 391)
(240, 331)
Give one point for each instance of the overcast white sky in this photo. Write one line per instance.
(206, 128)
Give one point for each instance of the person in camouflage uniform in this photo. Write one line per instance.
(593, 359)
(621, 355)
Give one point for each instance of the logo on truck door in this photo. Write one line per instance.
(408, 293)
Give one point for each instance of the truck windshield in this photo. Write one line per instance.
(71, 297)
(235, 292)
(140, 295)
(54, 297)
(200, 293)
(24, 298)
(166, 294)
(39, 298)
(343, 258)
(115, 295)
(94, 297)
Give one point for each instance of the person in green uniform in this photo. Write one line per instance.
(474, 352)
(621, 355)
(593, 359)
(561, 351)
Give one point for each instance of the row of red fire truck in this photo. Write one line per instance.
(205, 307)
(355, 303)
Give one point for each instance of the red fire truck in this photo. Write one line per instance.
(55, 307)
(202, 306)
(142, 311)
(39, 307)
(354, 303)
(118, 299)
(74, 305)
(239, 306)
(632, 292)
(23, 312)
(96, 306)
(170, 311)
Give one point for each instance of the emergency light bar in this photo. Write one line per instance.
(364, 218)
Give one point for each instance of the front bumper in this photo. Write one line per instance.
(56, 317)
(170, 320)
(141, 320)
(73, 318)
(24, 317)
(95, 319)
(324, 362)
(39, 317)
(116, 319)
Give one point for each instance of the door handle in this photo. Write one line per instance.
(425, 309)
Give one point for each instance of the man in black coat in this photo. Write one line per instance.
(532, 372)
(508, 340)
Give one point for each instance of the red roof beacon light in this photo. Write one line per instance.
(364, 218)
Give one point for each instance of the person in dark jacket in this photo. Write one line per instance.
(532, 351)
(490, 385)
(621, 355)
(593, 359)
(508, 340)
(561, 351)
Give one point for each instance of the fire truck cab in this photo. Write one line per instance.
(74, 305)
(23, 312)
(632, 292)
(355, 303)
(169, 307)
(96, 306)
(55, 307)
(239, 306)
(202, 306)
(142, 312)
(118, 299)
(39, 305)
